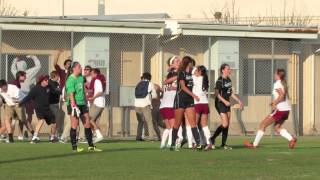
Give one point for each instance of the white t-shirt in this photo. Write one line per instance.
(284, 105)
(168, 96)
(99, 101)
(144, 102)
(12, 95)
(197, 90)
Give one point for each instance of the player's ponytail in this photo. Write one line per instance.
(205, 80)
(282, 75)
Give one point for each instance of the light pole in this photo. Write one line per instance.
(101, 7)
(62, 8)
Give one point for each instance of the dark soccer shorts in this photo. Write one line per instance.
(83, 109)
(183, 102)
(222, 108)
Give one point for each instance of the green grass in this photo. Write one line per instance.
(133, 160)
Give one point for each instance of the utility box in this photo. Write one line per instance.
(94, 51)
(127, 96)
(225, 51)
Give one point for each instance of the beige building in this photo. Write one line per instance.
(124, 49)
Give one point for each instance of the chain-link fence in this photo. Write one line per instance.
(126, 56)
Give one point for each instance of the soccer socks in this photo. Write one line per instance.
(196, 135)
(224, 135)
(88, 134)
(189, 135)
(174, 136)
(216, 134)
(180, 133)
(10, 137)
(284, 133)
(258, 138)
(73, 137)
(170, 138)
(164, 138)
(207, 134)
(98, 133)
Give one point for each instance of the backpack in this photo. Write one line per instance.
(141, 90)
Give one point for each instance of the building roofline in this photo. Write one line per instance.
(159, 27)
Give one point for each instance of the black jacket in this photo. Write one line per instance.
(40, 96)
(55, 92)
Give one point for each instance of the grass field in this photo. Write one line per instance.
(144, 160)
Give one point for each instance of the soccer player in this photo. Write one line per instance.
(77, 107)
(40, 95)
(167, 102)
(200, 89)
(97, 100)
(281, 109)
(184, 103)
(223, 92)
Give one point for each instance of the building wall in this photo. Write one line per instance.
(317, 91)
(125, 63)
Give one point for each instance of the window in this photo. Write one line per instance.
(257, 75)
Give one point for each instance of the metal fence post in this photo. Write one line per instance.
(143, 53)
(72, 43)
(209, 69)
(272, 69)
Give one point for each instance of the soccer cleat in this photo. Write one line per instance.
(35, 140)
(63, 141)
(198, 147)
(226, 147)
(177, 147)
(77, 149)
(249, 145)
(292, 143)
(208, 147)
(94, 149)
(183, 142)
(98, 139)
(20, 138)
(3, 138)
(54, 140)
(9, 141)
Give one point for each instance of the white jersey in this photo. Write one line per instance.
(100, 100)
(284, 105)
(198, 91)
(168, 96)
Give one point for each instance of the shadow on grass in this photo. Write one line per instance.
(71, 154)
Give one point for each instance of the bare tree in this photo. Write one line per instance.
(230, 15)
(7, 9)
